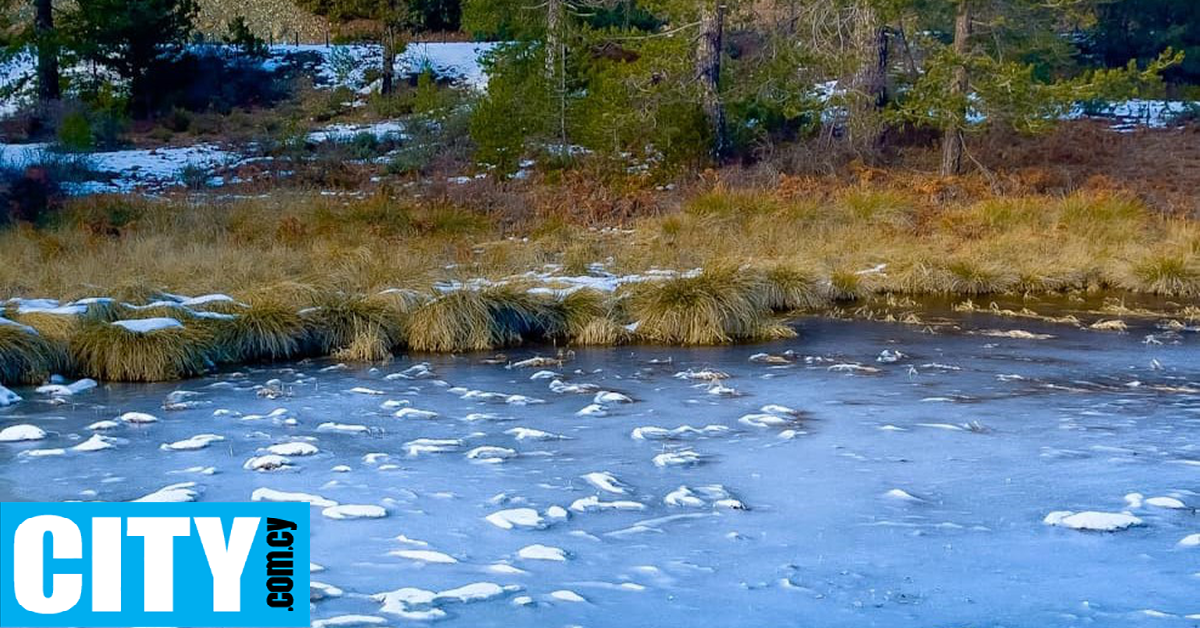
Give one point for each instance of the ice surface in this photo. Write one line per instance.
(878, 509)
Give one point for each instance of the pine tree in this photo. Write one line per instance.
(130, 36)
(1005, 62)
(46, 42)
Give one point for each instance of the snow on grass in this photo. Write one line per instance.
(147, 325)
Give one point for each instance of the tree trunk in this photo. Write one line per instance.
(47, 51)
(553, 38)
(870, 81)
(952, 140)
(556, 70)
(387, 85)
(708, 71)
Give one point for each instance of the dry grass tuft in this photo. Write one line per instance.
(109, 352)
(720, 305)
(27, 357)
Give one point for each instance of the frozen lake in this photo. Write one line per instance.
(909, 492)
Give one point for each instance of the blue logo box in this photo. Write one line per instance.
(224, 565)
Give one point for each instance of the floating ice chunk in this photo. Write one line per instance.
(609, 396)
(421, 370)
(787, 357)
(409, 603)
(318, 591)
(719, 390)
(269, 462)
(522, 600)
(475, 592)
(567, 595)
(199, 441)
(60, 390)
(1018, 334)
(683, 497)
(505, 569)
(97, 442)
(174, 493)
(562, 388)
(23, 432)
(354, 511)
(271, 495)
(362, 390)
(277, 413)
(594, 409)
(538, 551)
(349, 621)
(774, 408)
(103, 425)
(42, 453)
(295, 448)
(349, 428)
(710, 495)
(1166, 502)
(903, 496)
(527, 433)
(148, 325)
(605, 481)
(545, 375)
(490, 454)
(1191, 540)
(764, 420)
(8, 397)
(400, 538)
(682, 458)
(593, 504)
(535, 362)
(522, 400)
(414, 413)
(852, 367)
(558, 513)
(425, 556)
(890, 356)
(702, 374)
(340, 468)
(527, 518)
(1092, 520)
(138, 417)
(651, 432)
(431, 446)
(392, 404)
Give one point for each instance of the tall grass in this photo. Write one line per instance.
(27, 357)
(471, 319)
(720, 305)
(110, 352)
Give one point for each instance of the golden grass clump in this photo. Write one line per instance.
(786, 288)
(370, 344)
(27, 357)
(972, 277)
(720, 305)
(590, 318)
(266, 330)
(471, 319)
(1165, 274)
(110, 352)
(848, 285)
(339, 320)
